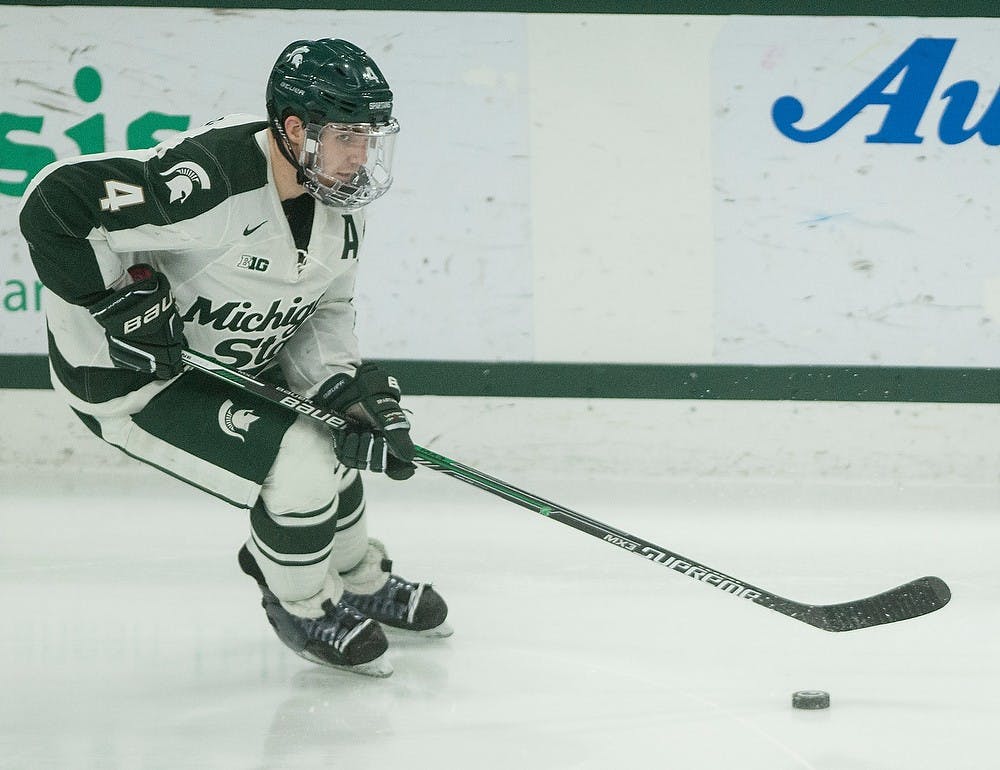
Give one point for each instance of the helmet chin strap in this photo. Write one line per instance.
(284, 147)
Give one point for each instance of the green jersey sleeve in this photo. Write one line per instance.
(79, 216)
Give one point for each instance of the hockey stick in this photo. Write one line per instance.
(910, 600)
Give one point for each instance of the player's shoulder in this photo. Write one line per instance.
(225, 148)
(181, 178)
(223, 135)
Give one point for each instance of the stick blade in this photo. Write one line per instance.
(910, 600)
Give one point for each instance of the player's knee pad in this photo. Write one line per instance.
(351, 541)
(293, 551)
(304, 476)
(294, 582)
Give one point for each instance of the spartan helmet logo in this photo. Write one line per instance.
(236, 422)
(295, 57)
(182, 179)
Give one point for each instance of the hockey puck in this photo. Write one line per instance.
(811, 699)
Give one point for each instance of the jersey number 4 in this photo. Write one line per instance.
(120, 195)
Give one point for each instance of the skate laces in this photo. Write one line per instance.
(397, 599)
(338, 626)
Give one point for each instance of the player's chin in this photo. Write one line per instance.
(344, 182)
(344, 177)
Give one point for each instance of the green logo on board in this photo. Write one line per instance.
(26, 159)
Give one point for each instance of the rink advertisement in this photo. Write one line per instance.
(454, 230)
(759, 192)
(854, 164)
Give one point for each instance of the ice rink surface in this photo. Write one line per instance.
(131, 639)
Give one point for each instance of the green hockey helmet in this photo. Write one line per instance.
(345, 103)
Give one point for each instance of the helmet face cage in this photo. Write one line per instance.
(348, 165)
(345, 105)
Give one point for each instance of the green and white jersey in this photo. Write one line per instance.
(203, 209)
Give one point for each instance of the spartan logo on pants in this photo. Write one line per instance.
(235, 422)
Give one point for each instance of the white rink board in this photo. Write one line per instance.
(859, 234)
(605, 188)
(893, 447)
(450, 244)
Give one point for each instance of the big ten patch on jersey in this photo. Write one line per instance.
(251, 262)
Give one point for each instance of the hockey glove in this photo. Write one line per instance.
(377, 434)
(143, 327)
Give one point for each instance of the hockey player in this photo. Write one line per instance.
(241, 241)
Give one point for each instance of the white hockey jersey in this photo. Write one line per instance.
(203, 209)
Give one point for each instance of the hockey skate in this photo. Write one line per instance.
(340, 637)
(396, 603)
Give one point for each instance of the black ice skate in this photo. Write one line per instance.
(341, 638)
(402, 605)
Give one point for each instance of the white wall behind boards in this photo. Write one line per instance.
(592, 188)
(890, 453)
(447, 264)
(621, 187)
(855, 171)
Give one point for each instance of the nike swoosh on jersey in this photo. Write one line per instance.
(247, 230)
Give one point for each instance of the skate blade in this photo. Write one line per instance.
(380, 668)
(438, 632)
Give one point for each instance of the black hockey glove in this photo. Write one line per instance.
(143, 327)
(377, 435)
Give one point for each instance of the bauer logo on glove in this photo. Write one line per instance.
(143, 327)
(165, 305)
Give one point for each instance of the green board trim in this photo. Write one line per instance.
(921, 8)
(24, 371)
(655, 381)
